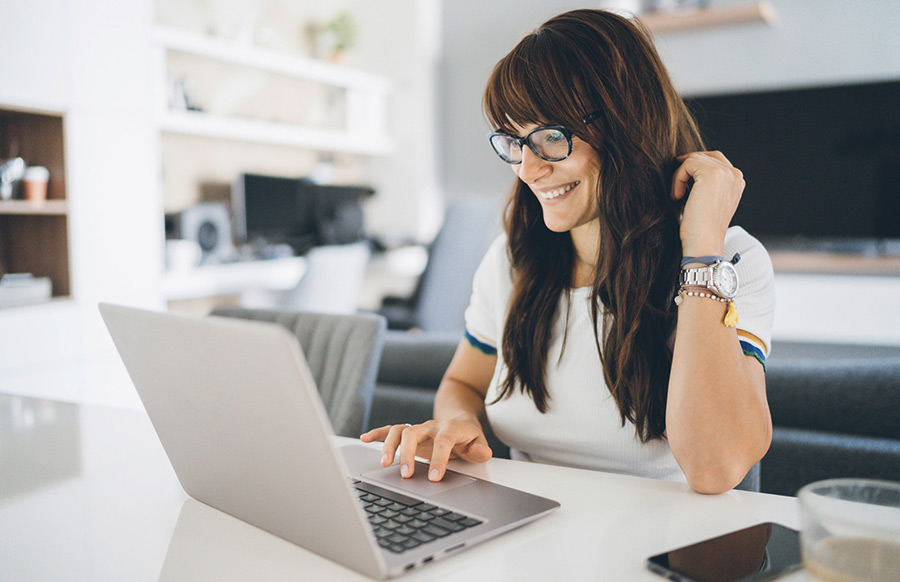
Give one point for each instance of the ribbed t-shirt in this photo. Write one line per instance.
(582, 427)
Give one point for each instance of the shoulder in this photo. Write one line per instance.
(497, 256)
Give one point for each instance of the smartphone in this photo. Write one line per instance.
(759, 552)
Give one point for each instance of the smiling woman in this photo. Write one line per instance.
(574, 348)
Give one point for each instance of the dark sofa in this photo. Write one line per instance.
(835, 408)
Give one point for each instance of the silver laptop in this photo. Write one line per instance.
(239, 416)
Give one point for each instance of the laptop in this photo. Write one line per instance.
(238, 413)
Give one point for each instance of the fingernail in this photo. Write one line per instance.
(405, 471)
(384, 460)
(434, 475)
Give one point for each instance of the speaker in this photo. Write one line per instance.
(209, 225)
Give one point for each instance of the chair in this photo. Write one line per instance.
(343, 352)
(333, 279)
(442, 294)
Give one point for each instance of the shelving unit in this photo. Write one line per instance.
(686, 19)
(365, 129)
(34, 237)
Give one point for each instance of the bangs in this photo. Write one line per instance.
(526, 87)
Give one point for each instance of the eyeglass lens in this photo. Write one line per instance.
(550, 144)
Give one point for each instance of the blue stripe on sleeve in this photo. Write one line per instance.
(751, 350)
(484, 348)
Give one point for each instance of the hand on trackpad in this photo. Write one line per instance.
(419, 483)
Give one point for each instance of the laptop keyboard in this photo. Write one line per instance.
(402, 523)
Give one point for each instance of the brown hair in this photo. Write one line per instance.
(578, 63)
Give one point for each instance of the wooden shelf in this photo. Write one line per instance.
(687, 19)
(46, 208)
(34, 236)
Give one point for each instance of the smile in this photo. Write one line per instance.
(551, 194)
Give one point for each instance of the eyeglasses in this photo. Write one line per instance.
(551, 143)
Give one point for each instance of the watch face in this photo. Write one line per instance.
(725, 279)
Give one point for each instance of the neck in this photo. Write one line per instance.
(586, 240)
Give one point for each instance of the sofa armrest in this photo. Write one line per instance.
(856, 396)
(416, 359)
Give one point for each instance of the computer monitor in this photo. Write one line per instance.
(271, 210)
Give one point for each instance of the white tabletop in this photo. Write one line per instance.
(86, 493)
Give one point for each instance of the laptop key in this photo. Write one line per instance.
(436, 531)
(388, 494)
(454, 516)
(397, 548)
(423, 537)
(405, 530)
(469, 522)
(396, 538)
(448, 525)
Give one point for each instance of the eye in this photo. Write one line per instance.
(555, 136)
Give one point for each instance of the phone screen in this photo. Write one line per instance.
(759, 552)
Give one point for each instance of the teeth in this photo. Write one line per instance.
(556, 193)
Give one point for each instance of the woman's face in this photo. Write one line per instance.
(565, 189)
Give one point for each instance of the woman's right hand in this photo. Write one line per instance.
(434, 440)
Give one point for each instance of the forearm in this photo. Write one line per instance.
(456, 400)
(717, 417)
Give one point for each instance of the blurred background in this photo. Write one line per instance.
(207, 152)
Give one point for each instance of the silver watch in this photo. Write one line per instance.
(721, 278)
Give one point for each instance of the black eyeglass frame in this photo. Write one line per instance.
(526, 141)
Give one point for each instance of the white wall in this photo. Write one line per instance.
(825, 42)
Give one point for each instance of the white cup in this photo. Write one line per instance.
(35, 181)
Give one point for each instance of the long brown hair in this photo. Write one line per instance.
(578, 63)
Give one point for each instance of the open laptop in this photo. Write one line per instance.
(239, 416)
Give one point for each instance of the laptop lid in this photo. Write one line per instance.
(233, 402)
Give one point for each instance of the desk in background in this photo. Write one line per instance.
(87, 493)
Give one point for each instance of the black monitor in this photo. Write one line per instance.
(821, 163)
(272, 210)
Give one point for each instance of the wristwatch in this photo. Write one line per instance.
(720, 277)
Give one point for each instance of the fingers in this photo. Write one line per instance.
(392, 437)
(439, 442)
(474, 451)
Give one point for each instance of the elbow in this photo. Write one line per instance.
(713, 481)
(712, 478)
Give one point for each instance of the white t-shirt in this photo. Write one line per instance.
(582, 427)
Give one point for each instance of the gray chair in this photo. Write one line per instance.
(442, 294)
(343, 352)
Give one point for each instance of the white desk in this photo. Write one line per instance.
(86, 493)
(234, 278)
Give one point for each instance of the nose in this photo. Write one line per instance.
(532, 167)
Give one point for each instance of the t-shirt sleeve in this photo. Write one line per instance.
(486, 311)
(755, 299)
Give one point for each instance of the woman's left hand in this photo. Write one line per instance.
(713, 199)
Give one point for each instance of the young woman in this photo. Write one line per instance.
(619, 324)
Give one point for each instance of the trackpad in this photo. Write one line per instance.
(418, 483)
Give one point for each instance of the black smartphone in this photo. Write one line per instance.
(759, 552)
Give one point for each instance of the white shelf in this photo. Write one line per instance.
(267, 132)
(365, 129)
(686, 19)
(267, 60)
(234, 278)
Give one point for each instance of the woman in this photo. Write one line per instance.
(575, 350)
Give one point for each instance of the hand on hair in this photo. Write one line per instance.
(437, 441)
(713, 198)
